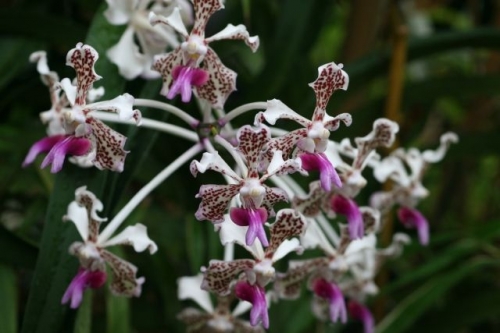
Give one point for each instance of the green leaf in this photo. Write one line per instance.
(49, 28)
(8, 297)
(83, 322)
(26, 253)
(117, 308)
(412, 307)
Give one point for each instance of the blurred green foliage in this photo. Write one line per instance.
(451, 83)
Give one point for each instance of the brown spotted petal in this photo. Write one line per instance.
(285, 144)
(219, 274)
(288, 285)
(213, 161)
(194, 319)
(214, 201)
(383, 135)
(221, 82)
(108, 145)
(203, 9)
(311, 204)
(165, 64)
(272, 197)
(250, 143)
(331, 77)
(242, 326)
(279, 167)
(83, 58)
(276, 109)
(289, 223)
(333, 123)
(92, 205)
(124, 281)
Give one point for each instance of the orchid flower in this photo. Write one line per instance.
(193, 64)
(219, 318)
(257, 199)
(340, 200)
(219, 275)
(92, 253)
(361, 312)
(310, 143)
(83, 134)
(408, 189)
(136, 60)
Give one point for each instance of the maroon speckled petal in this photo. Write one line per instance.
(273, 196)
(288, 224)
(125, 282)
(285, 143)
(311, 204)
(82, 58)
(165, 64)
(250, 143)
(214, 201)
(217, 277)
(203, 9)
(109, 146)
(221, 83)
(330, 78)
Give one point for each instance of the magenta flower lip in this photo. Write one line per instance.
(328, 174)
(185, 78)
(361, 312)
(254, 219)
(349, 208)
(83, 279)
(412, 218)
(256, 295)
(332, 293)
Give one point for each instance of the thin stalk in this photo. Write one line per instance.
(150, 123)
(240, 110)
(191, 121)
(148, 188)
(230, 148)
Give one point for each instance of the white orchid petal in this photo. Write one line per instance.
(121, 105)
(434, 156)
(125, 54)
(120, 11)
(288, 245)
(366, 243)
(241, 308)
(174, 20)
(136, 236)
(314, 238)
(78, 215)
(69, 89)
(236, 32)
(213, 161)
(229, 232)
(189, 287)
(278, 110)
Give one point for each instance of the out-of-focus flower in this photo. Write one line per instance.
(408, 190)
(194, 65)
(92, 253)
(134, 59)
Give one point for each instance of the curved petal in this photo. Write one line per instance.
(189, 287)
(78, 215)
(109, 146)
(289, 223)
(174, 20)
(213, 161)
(276, 109)
(120, 11)
(125, 54)
(331, 77)
(122, 105)
(42, 146)
(236, 32)
(83, 58)
(135, 236)
(230, 232)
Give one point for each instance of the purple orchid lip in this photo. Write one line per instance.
(361, 312)
(256, 295)
(185, 78)
(328, 174)
(71, 145)
(83, 279)
(254, 219)
(42, 146)
(349, 208)
(412, 218)
(332, 293)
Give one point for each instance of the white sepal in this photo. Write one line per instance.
(189, 287)
(136, 236)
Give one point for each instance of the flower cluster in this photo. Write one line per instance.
(328, 217)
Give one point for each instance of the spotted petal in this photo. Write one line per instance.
(203, 9)
(288, 224)
(219, 274)
(276, 109)
(214, 201)
(331, 77)
(221, 82)
(165, 64)
(82, 58)
(124, 281)
(109, 146)
(250, 143)
(212, 161)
